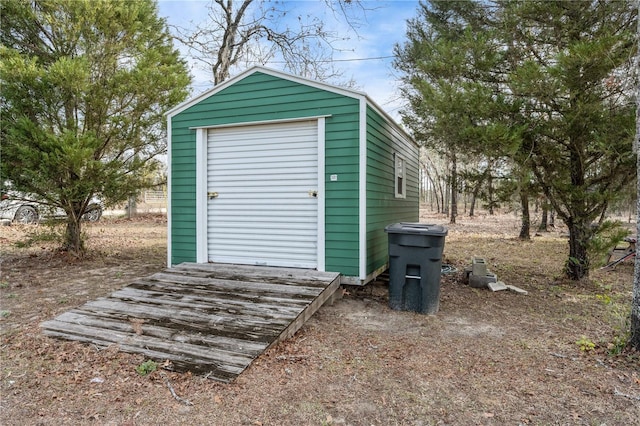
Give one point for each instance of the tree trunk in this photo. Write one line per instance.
(634, 339)
(433, 193)
(474, 197)
(603, 215)
(132, 208)
(73, 241)
(577, 266)
(545, 217)
(466, 200)
(490, 183)
(476, 189)
(454, 189)
(472, 205)
(424, 185)
(552, 218)
(445, 199)
(526, 216)
(440, 195)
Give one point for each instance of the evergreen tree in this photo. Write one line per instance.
(449, 79)
(84, 88)
(547, 84)
(569, 72)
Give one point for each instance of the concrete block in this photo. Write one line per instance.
(497, 286)
(517, 289)
(479, 266)
(467, 272)
(482, 280)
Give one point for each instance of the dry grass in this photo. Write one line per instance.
(485, 358)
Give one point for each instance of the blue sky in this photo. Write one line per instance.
(383, 25)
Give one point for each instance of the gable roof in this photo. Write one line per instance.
(275, 73)
(286, 76)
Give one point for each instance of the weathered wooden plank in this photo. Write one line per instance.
(215, 320)
(219, 369)
(255, 270)
(182, 294)
(184, 352)
(233, 325)
(178, 335)
(209, 318)
(237, 311)
(205, 304)
(228, 286)
(216, 294)
(240, 286)
(212, 371)
(296, 324)
(290, 276)
(251, 333)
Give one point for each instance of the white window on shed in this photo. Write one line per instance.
(400, 181)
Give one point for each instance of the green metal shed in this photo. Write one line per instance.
(272, 169)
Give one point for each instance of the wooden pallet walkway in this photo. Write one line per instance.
(211, 319)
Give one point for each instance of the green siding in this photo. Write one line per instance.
(383, 140)
(262, 97)
(183, 204)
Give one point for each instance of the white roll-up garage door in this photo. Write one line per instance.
(262, 182)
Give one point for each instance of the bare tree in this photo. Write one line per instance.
(437, 170)
(257, 31)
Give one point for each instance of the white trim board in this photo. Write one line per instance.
(362, 204)
(201, 196)
(203, 254)
(321, 231)
(258, 123)
(169, 187)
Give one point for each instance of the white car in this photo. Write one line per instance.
(17, 208)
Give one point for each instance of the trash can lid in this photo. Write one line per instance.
(416, 228)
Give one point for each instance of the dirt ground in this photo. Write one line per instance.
(550, 357)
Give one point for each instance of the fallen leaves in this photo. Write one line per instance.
(356, 362)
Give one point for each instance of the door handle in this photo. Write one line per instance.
(313, 193)
(211, 195)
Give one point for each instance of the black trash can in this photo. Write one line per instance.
(415, 262)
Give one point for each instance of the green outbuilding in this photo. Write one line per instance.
(272, 169)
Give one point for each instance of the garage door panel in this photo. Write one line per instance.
(266, 192)
(232, 149)
(248, 186)
(241, 204)
(266, 215)
(248, 227)
(290, 168)
(263, 163)
(258, 177)
(272, 245)
(288, 133)
(266, 234)
(285, 260)
(264, 203)
(263, 213)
